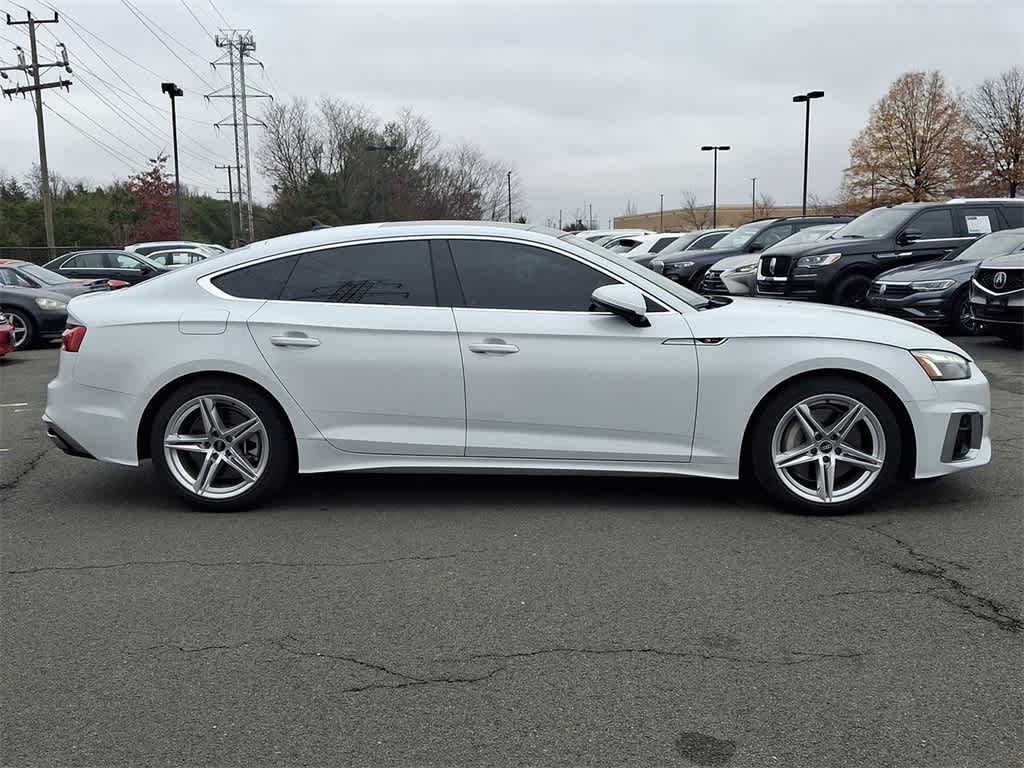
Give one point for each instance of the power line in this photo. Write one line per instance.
(163, 42)
(105, 147)
(104, 129)
(196, 18)
(221, 15)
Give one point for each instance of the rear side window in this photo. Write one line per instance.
(87, 261)
(934, 224)
(260, 281)
(706, 241)
(375, 273)
(499, 275)
(656, 248)
(1014, 215)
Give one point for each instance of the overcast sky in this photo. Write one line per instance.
(595, 102)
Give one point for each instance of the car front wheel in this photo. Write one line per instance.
(23, 332)
(221, 444)
(826, 445)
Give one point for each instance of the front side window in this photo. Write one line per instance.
(10, 277)
(374, 273)
(502, 275)
(934, 225)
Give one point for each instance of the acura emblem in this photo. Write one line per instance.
(999, 281)
(771, 266)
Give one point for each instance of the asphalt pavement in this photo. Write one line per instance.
(499, 621)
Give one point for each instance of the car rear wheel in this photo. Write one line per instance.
(221, 445)
(23, 330)
(826, 445)
(852, 291)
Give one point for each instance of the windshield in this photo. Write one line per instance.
(809, 235)
(691, 298)
(997, 244)
(739, 237)
(682, 242)
(43, 275)
(881, 222)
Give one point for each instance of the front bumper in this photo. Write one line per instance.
(800, 286)
(936, 423)
(932, 309)
(50, 323)
(995, 311)
(726, 283)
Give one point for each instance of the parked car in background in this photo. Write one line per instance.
(35, 314)
(465, 346)
(938, 293)
(695, 241)
(178, 257)
(621, 243)
(840, 269)
(6, 334)
(24, 274)
(651, 245)
(144, 249)
(689, 266)
(216, 250)
(597, 235)
(117, 265)
(735, 274)
(997, 296)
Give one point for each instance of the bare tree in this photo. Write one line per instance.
(765, 206)
(695, 216)
(908, 147)
(994, 151)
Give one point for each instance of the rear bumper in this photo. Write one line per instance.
(64, 441)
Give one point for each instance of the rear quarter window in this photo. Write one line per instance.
(265, 280)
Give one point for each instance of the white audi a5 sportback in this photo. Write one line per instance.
(461, 346)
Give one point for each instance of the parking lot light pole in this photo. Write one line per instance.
(714, 187)
(807, 98)
(174, 92)
(661, 214)
(753, 198)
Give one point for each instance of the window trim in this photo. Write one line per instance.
(205, 282)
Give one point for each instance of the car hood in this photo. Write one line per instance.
(837, 245)
(762, 318)
(1007, 261)
(930, 270)
(700, 254)
(77, 288)
(732, 262)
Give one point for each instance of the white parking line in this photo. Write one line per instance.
(12, 405)
(22, 410)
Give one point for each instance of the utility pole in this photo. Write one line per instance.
(590, 221)
(661, 214)
(559, 219)
(231, 200)
(32, 70)
(510, 197)
(239, 45)
(753, 198)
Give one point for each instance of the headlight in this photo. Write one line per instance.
(744, 268)
(932, 285)
(679, 265)
(819, 261)
(51, 304)
(942, 366)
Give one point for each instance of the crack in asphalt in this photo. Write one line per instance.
(810, 656)
(241, 563)
(952, 591)
(407, 681)
(30, 465)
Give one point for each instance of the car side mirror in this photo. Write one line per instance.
(626, 301)
(755, 248)
(910, 236)
(146, 269)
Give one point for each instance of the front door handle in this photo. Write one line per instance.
(294, 341)
(493, 347)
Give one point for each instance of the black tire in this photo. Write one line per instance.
(851, 291)
(30, 338)
(696, 279)
(773, 412)
(959, 325)
(280, 443)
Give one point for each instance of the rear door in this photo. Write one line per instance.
(547, 378)
(357, 338)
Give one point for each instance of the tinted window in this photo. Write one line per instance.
(376, 273)
(10, 277)
(934, 224)
(976, 221)
(124, 261)
(496, 275)
(87, 260)
(656, 248)
(706, 241)
(260, 281)
(771, 236)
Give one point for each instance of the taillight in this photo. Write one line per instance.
(72, 338)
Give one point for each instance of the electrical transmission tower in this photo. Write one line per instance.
(36, 87)
(239, 45)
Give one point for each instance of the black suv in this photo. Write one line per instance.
(839, 269)
(688, 267)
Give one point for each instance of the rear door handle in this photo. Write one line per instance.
(294, 341)
(493, 347)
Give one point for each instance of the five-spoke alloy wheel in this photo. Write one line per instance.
(221, 444)
(826, 444)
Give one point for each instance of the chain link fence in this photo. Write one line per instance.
(40, 254)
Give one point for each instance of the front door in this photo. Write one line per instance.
(938, 237)
(546, 378)
(357, 339)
